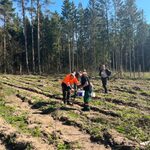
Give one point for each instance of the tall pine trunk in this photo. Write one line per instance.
(69, 48)
(32, 34)
(38, 36)
(113, 59)
(25, 35)
(4, 47)
(73, 49)
(133, 47)
(130, 61)
(143, 58)
(83, 57)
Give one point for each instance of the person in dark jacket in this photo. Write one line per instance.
(87, 87)
(104, 74)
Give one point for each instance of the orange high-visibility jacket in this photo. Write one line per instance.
(68, 81)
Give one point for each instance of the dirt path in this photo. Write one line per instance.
(47, 125)
(107, 115)
(2, 146)
(69, 134)
(17, 140)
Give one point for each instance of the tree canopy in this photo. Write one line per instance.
(113, 32)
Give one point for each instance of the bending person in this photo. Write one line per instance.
(87, 87)
(67, 88)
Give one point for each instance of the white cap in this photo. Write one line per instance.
(73, 74)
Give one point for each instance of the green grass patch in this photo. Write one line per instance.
(8, 91)
(48, 106)
(9, 114)
(16, 119)
(134, 125)
(96, 132)
(132, 132)
(63, 146)
(97, 102)
(35, 132)
(73, 115)
(5, 111)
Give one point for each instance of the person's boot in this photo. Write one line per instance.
(106, 90)
(65, 102)
(86, 108)
(69, 102)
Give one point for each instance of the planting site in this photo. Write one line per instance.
(34, 117)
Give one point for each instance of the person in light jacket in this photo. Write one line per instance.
(104, 74)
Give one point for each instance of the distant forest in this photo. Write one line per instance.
(36, 40)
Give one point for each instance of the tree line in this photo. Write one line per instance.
(36, 40)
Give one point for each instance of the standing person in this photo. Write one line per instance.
(104, 74)
(87, 87)
(67, 88)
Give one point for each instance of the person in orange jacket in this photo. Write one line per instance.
(67, 88)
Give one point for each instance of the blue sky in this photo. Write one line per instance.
(58, 4)
(141, 4)
(145, 5)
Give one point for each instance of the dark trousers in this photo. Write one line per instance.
(87, 98)
(66, 92)
(104, 83)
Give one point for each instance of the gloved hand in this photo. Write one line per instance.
(72, 90)
(68, 87)
(79, 86)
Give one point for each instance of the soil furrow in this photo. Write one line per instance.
(113, 141)
(121, 102)
(68, 134)
(16, 140)
(106, 112)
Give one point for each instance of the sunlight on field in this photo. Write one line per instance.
(33, 104)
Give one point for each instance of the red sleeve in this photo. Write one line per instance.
(76, 81)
